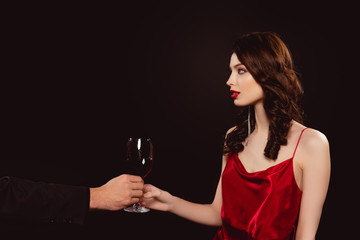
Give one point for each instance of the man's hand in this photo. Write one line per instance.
(117, 193)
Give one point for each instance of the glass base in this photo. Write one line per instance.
(137, 208)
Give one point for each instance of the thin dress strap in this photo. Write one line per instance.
(298, 141)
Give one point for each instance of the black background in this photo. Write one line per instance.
(78, 80)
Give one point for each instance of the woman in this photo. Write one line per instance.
(275, 171)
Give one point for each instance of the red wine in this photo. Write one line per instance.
(139, 157)
(140, 167)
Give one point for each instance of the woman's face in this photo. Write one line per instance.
(244, 89)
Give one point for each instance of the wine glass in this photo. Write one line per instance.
(139, 160)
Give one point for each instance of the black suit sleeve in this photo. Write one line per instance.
(37, 201)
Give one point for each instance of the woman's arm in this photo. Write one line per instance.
(207, 214)
(315, 164)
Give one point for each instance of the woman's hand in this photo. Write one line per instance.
(156, 198)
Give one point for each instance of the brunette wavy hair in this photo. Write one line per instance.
(268, 60)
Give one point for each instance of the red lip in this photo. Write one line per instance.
(234, 94)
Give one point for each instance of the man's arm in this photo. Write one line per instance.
(56, 203)
(37, 201)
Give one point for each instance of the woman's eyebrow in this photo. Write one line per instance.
(237, 65)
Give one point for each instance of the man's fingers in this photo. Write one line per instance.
(137, 193)
(134, 200)
(137, 186)
(135, 179)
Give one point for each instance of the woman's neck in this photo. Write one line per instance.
(262, 121)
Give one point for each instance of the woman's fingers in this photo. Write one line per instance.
(148, 187)
(150, 191)
(152, 194)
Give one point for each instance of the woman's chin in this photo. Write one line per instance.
(239, 103)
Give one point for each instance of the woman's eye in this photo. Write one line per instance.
(240, 71)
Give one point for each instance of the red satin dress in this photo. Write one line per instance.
(262, 205)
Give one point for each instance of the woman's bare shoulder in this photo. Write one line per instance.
(310, 136)
(314, 139)
(313, 148)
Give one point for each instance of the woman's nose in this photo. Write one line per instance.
(229, 81)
